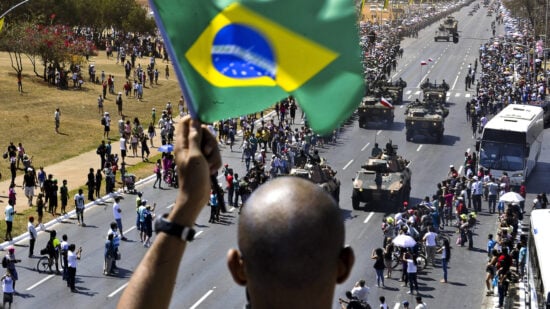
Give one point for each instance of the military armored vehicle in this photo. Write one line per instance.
(446, 30)
(371, 110)
(393, 91)
(435, 93)
(425, 118)
(321, 174)
(383, 182)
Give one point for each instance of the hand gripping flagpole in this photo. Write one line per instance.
(12, 8)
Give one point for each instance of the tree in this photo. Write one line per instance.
(12, 42)
(532, 10)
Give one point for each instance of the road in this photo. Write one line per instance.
(203, 279)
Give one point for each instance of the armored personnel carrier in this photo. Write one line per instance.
(371, 110)
(321, 174)
(383, 182)
(393, 91)
(435, 93)
(425, 118)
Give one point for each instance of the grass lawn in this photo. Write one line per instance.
(27, 118)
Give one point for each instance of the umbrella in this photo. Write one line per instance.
(404, 241)
(166, 148)
(511, 197)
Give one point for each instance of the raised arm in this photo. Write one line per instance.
(197, 156)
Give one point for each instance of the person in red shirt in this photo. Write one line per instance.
(523, 193)
(230, 188)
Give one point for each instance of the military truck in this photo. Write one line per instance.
(435, 93)
(321, 174)
(371, 110)
(383, 182)
(425, 118)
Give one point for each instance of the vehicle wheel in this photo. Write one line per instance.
(421, 262)
(439, 137)
(43, 265)
(409, 135)
(395, 260)
(355, 201)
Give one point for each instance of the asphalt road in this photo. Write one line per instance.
(203, 280)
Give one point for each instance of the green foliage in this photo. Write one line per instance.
(124, 15)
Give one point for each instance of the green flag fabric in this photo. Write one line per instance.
(238, 57)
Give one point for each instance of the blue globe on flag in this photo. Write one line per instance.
(241, 52)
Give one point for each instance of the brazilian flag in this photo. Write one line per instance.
(238, 57)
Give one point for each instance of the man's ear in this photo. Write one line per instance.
(236, 266)
(345, 264)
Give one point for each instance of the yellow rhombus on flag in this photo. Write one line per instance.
(1, 23)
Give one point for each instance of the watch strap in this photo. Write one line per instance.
(185, 233)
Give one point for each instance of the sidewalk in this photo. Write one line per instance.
(74, 170)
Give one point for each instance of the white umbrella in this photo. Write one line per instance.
(404, 241)
(511, 197)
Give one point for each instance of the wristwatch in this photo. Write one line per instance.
(185, 233)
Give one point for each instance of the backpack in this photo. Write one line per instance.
(103, 121)
(5, 262)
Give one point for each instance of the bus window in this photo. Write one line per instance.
(498, 156)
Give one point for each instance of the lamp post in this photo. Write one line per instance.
(13, 7)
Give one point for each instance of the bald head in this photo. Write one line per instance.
(291, 235)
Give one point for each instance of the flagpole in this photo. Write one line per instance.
(12, 8)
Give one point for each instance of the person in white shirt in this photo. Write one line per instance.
(420, 304)
(429, 242)
(79, 205)
(7, 288)
(123, 147)
(72, 258)
(32, 234)
(118, 217)
(361, 291)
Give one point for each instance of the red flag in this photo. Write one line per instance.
(423, 62)
(386, 103)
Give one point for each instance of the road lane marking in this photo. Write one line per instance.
(198, 233)
(417, 92)
(40, 282)
(408, 92)
(460, 169)
(118, 290)
(195, 305)
(346, 166)
(379, 131)
(397, 306)
(365, 147)
(130, 229)
(171, 205)
(419, 147)
(468, 150)
(467, 95)
(454, 84)
(368, 217)
(457, 94)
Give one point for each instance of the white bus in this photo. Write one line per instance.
(537, 264)
(511, 142)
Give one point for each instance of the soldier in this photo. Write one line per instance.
(376, 151)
